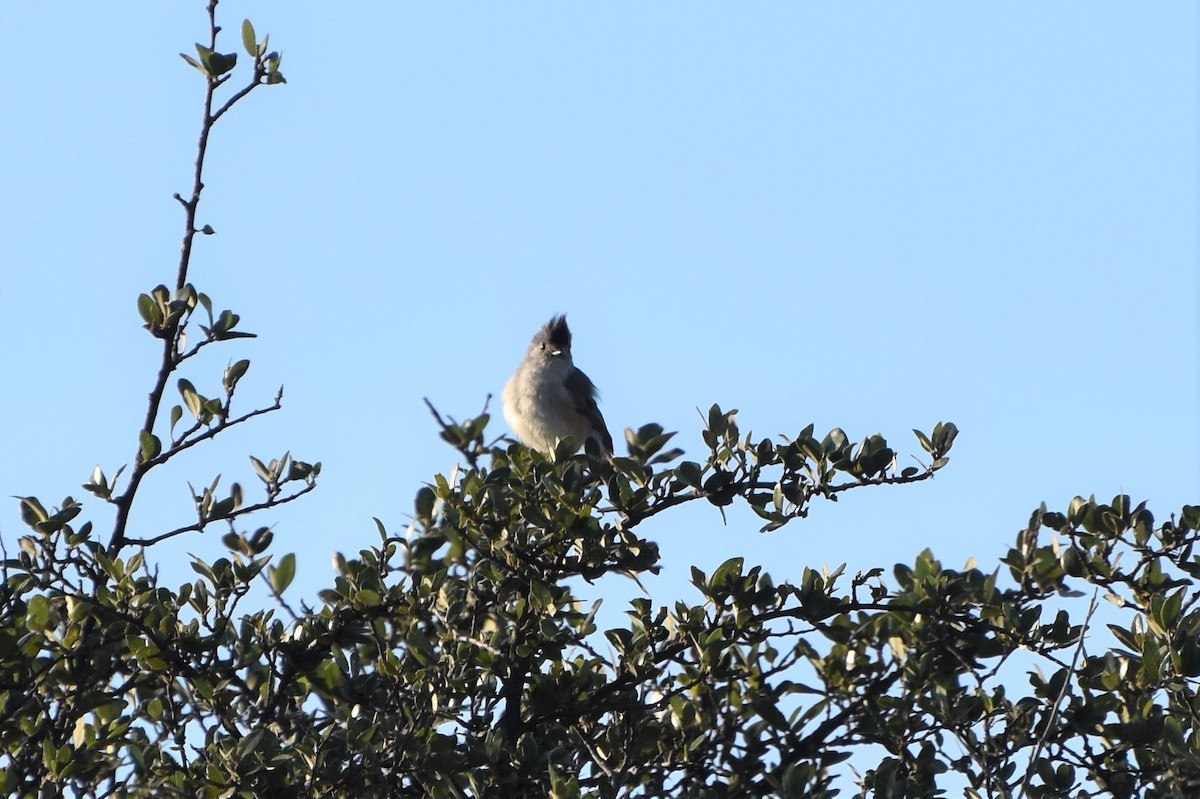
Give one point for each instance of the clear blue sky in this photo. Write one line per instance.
(868, 216)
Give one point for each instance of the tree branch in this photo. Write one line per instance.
(170, 341)
(745, 487)
(200, 525)
(1054, 709)
(212, 432)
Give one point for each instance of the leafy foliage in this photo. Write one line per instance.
(457, 659)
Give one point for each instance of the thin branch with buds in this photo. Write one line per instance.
(172, 336)
(203, 523)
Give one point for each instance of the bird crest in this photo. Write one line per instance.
(557, 333)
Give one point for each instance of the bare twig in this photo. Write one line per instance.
(212, 432)
(200, 525)
(201, 345)
(1054, 710)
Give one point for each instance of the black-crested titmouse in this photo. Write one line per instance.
(548, 398)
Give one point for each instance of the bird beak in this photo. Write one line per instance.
(556, 352)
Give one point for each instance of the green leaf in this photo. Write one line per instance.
(835, 440)
(261, 539)
(727, 572)
(151, 446)
(98, 484)
(717, 421)
(176, 415)
(112, 567)
(32, 511)
(1073, 561)
(206, 54)
(193, 400)
(225, 322)
(943, 437)
(234, 373)
(689, 473)
(264, 473)
(281, 576)
(38, 610)
(418, 644)
(223, 62)
(194, 63)
(423, 505)
(146, 307)
(222, 508)
(367, 598)
(248, 38)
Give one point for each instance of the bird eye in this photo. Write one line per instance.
(543, 345)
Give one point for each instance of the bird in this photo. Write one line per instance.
(548, 398)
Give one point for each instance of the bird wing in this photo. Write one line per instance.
(583, 389)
